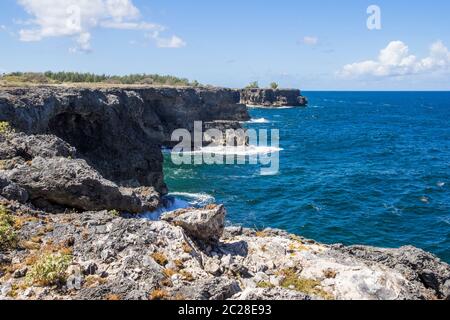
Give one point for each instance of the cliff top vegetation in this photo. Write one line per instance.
(55, 78)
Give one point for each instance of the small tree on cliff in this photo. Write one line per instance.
(253, 85)
(274, 85)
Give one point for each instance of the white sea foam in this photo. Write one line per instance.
(268, 107)
(260, 120)
(180, 200)
(441, 184)
(236, 151)
(193, 199)
(253, 106)
(283, 108)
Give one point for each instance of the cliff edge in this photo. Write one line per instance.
(273, 97)
(118, 131)
(93, 156)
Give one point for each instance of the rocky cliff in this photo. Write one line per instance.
(103, 256)
(93, 157)
(118, 131)
(273, 98)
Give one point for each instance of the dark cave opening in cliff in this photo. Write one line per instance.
(83, 132)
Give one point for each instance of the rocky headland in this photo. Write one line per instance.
(77, 166)
(273, 97)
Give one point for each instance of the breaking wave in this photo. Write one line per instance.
(236, 151)
(180, 200)
(193, 199)
(260, 120)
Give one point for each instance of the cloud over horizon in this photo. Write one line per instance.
(76, 19)
(395, 60)
(161, 42)
(310, 40)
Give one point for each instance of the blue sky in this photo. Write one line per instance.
(313, 45)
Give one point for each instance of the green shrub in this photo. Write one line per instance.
(50, 269)
(8, 235)
(265, 285)
(253, 85)
(76, 77)
(114, 213)
(309, 286)
(274, 85)
(5, 127)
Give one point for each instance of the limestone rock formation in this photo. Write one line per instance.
(41, 169)
(74, 184)
(12, 191)
(118, 131)
(111, 257)
(273, 97)
(204, 224)
(98, 151)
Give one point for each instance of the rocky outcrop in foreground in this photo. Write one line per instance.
(45, 171)
(99, 255)
(273, 97)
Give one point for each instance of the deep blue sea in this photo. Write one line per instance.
(367, 168)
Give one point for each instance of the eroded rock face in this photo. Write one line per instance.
(12, 191)
(74, 184)
(259, 294)
(22, 147)
(118, 131)
(205, 224)
(188, 255)
(273, 98)
(418, 266)
(125, 258)
(42, 169)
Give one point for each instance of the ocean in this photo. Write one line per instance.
(369, 168)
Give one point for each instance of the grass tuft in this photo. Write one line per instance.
(265, 285)
(50, 269)
(160, 259)
(308, 286)
(159, 294)
(5, 128)
(8, 236)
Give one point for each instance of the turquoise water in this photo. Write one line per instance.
(356, 168)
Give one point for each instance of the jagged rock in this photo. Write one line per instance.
(73, 183)
(74, 282)
(12, 191)
(273, 98)
(27, 147)
(218, 288)
(20, 273)
(259, 294)
(204, 224)
(419, 267)
(446, 290)
(212, 266)
(145, 258)
(90, 268)
(42, 168)
(119, 131)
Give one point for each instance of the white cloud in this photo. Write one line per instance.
(173, 42)
(83, 43)
(76, 18)
(310, 41)
(2, 27)
(395, 60)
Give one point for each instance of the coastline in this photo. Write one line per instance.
(47, 167)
